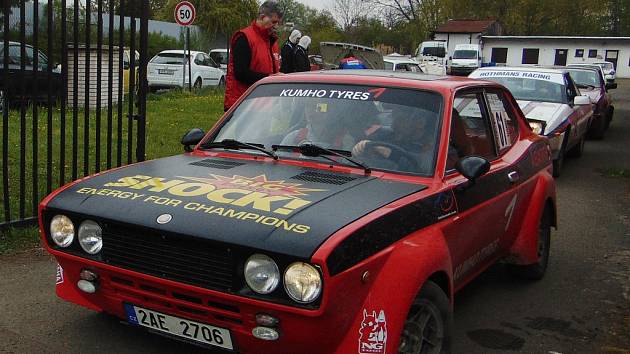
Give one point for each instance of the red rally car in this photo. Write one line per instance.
(326, 212)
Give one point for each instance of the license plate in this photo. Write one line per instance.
(192, 330)
(165, 72)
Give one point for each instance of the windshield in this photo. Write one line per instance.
(532, 89)
(219, 57)
(606, 66)
(168, 58)
(465, 54)
(385, 128)
(439, 52)
(585, 77)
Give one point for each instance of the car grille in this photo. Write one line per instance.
(172, 257)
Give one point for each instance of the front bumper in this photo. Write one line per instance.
(462, 70)
(303, 331)
(555, 143)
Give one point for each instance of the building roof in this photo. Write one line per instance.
(556, 37)
(464, 26)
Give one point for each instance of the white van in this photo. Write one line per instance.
(432, 57)
(466, 59)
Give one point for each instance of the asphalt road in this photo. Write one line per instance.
(581, 306)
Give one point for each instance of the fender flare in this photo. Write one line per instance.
(422, 256)
(524, 248)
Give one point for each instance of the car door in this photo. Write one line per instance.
(215, 71)
(485, 207)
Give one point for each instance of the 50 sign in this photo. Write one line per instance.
(185, 13)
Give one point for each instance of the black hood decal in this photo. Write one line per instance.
(263, 205)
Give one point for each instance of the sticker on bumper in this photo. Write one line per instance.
(59, 276)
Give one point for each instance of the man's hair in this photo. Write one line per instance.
(270, 7)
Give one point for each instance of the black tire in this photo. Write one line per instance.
(578, 149)
(429, 325)
(198, 84)
(222, 81)
(609, 116)
(598, 128)
(536, 271)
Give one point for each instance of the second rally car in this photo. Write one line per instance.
(359, 200)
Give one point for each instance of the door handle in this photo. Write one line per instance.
(513, 177)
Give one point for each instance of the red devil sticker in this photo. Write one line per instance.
(373, 333)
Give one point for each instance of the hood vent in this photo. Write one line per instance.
(220, 164)
(326, 178)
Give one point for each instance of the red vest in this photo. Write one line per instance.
(265, 59)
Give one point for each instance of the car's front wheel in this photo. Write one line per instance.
(198, 84)
(222, 81)
(428, 326)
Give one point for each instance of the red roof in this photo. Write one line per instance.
(464, 26)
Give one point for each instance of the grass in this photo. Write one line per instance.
(615, 172)
(169, 116)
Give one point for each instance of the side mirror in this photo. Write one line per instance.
(611, 85)
(581, 100)
(193, 137)
(472, 167)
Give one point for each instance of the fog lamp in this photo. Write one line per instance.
(86, 286)
(265, 333)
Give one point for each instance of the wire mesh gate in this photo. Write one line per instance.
(72, 95)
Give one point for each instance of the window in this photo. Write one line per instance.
(499, 55)
(530, 56)
(592, 53)
(579, 53)
(470, 134)
(502, 120)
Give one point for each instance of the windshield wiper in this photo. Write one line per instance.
(313, 150)
(236, 145)
(585, 86)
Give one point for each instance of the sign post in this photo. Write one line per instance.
(185, 16)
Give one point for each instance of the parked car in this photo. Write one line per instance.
(553, 105)
(402, 64)
(274, 228)
(221, 57)
(608, 70)
(591, 83)
(127, 69)
(165, 70)
(318, 63)
(24, 85)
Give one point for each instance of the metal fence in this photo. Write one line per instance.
(45, 143)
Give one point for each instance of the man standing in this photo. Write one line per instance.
(286, 54)
(254, 53)
(300, 55)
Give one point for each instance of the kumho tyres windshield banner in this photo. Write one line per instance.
(263, 205)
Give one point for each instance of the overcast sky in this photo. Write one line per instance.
(318, 4)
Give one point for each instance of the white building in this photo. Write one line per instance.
(557, 50)
(456, 32)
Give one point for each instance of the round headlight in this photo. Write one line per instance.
(90, 237)
(261, 274)
(302, 282)
(62, 230)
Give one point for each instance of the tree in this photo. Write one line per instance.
(349, 12)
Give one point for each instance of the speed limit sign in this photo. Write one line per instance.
(185, 13)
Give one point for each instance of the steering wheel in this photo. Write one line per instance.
(406, 159)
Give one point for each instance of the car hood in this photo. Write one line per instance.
(553, 114)
(263, 205)
(593, 93)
